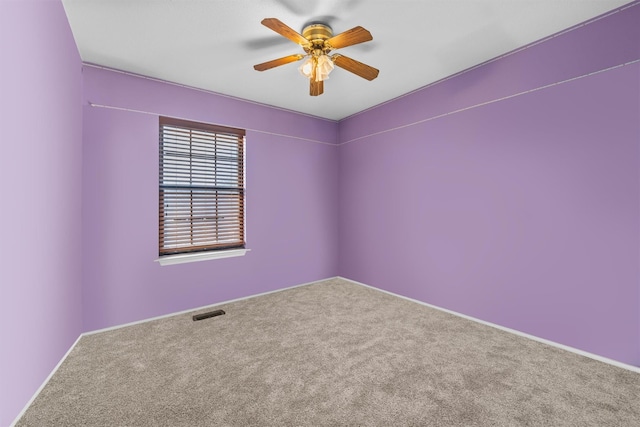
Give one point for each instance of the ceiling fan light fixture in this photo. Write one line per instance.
(317, 68)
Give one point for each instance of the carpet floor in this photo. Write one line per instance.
(329, 354)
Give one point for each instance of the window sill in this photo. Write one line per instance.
(200, 256)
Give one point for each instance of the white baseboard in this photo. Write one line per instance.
(164, 316)
(504, 328)
(44, 383)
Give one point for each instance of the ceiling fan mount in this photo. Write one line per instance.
(317, 41)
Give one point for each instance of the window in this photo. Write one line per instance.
(201, 187)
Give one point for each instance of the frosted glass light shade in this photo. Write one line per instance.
(323, 66)
(307, 67)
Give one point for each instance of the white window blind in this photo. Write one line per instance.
(201, 187)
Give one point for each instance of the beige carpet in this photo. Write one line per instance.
(329, 354)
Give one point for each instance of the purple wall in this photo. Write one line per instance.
(291, 201)
(523, 212)
(40, 174)
(605, 42)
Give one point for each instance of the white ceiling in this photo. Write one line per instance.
(213, 44)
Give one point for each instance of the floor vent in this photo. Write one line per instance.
(208, 314)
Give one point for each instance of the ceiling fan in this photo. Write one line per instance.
(318, 41)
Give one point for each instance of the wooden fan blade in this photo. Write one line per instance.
(277, 62)
(349, 38)
(285, 31)
(356, 67)
(316, 88)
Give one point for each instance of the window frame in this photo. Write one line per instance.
(191, 137)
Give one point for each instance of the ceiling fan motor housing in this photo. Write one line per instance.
(317, 34)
